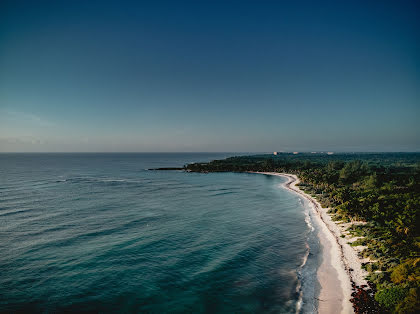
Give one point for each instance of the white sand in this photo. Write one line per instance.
(340, 264)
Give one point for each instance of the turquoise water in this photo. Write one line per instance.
(99, 232)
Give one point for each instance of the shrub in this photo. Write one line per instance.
(400, 273)
(363, 303)
(411, 303)
(377, 278)
(389, 298)
(405, 272)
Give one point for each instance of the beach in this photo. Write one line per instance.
(341, 266)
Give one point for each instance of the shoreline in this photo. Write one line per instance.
(340, 266)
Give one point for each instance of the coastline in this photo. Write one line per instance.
(340, 268)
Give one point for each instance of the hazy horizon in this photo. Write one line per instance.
(209, 76)
(216, 152)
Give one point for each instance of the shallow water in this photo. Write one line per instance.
(99, 232)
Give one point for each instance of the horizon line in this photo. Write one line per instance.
(216, 152)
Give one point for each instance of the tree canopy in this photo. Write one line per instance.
(381, 189)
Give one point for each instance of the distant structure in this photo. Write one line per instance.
(330, 153)
(275, 153)
(295, 153)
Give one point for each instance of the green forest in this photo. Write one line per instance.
(382, 190)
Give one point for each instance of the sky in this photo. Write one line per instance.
(205, 76)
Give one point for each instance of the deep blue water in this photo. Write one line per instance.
(99, 232)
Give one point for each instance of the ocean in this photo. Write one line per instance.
(102, 233)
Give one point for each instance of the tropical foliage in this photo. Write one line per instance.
(381, 190)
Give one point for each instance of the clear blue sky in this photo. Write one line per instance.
(209, 76)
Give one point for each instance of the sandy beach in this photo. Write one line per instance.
(340, 266)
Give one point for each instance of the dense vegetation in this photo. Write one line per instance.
(382, 190)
